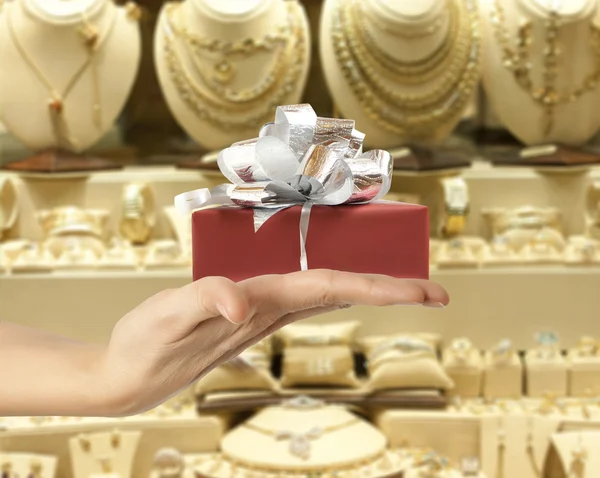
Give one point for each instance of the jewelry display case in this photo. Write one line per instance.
(505, 381)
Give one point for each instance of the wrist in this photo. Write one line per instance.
(93, 395)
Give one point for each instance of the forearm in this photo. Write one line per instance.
(45, 374)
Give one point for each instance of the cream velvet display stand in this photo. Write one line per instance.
(160, 428)
(518, 96)
(430, 429)
(502, 372)
(516, 444)
(576, 455)
(373, 54)
(464, 364)
(104, 455)
(28, 465)
(68, 69)
(224, 66)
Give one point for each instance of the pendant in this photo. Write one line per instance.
(300, 445)
(579, 456)
(224, 72)
(55, 105)
(90, 36)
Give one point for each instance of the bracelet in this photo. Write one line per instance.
(9, 207)
(69, 220)
(456, 200)
(138, 213)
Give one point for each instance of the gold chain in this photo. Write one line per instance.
(238, 467)
(399, 32)
(518, 62)
(411, 116)
(92, 42)
(531, 449)
(225, 108)
(323, 430)
(418, 71)
(448, 71)
(501, 449)
(222, 53)
(242, 47)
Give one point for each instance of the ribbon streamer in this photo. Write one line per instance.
(299, 159)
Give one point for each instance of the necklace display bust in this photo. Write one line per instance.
(224, 66)
(542, 68)
(405, 70)
(68, 68)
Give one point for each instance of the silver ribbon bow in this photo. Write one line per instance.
(300, 159)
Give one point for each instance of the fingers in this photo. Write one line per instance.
(321, 288)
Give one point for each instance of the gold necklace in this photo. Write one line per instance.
(230, 110)
(236, 467)
(399, 32)
(222, 54)
(412, 72)
(530, 448)
(300, 442)
(501, 448)
(518, 62)
(411, 116)
(445, 64)
(92, 42)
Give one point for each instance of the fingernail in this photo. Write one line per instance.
(435, 305)
(223, 311)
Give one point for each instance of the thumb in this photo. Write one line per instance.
(208, 298)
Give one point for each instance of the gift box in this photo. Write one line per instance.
(380, 238)
(303, 195)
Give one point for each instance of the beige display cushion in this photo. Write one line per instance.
(345, 446)
(504, 379)
(584, 373)
(452, 434)
(546, 375)
(540, 297)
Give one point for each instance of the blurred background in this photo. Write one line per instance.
(490, 110)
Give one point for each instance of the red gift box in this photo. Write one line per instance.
(377, 238)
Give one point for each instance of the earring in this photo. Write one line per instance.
(115, 439)
(84, 443)
(6, 470)
(106, 465)
(35, 469)
(578, 460)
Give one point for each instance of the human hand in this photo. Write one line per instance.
(177, 336)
